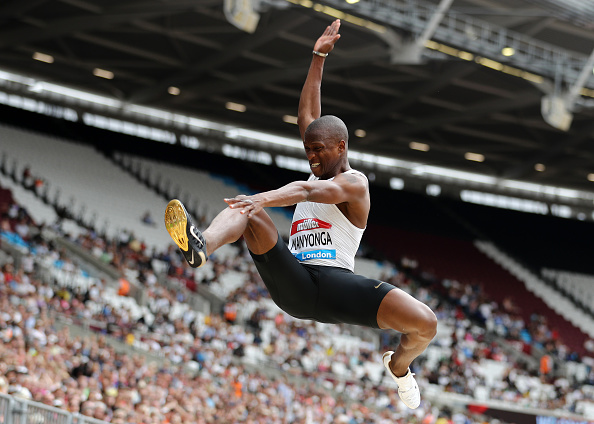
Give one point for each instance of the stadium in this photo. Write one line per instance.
(472, 120)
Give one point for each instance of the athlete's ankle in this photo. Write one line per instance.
(399, 370)
(207, 243)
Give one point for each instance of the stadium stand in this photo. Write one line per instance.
(554, 300)
(51, 286)
(57, 161)
(209, 192)
(579, 286)
(455, 256)
(102, 321)
(488, 371)
(535, 240)
(460, 361)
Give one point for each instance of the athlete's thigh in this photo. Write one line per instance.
(260, 234)
(350, 298)
(289, 283)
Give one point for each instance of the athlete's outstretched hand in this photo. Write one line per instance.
(250, 204)
(326, 42)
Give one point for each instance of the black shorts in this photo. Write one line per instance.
(321, 293)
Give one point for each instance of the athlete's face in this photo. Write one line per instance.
(324, 155)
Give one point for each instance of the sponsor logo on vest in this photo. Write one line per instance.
(308, 224)
(316, 254)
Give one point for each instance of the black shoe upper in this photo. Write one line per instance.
(196, 254)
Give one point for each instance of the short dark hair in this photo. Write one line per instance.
(329, 126)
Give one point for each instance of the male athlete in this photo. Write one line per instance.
(313, 278)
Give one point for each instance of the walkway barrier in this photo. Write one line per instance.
(14, 410)
(83, 419)
(6, 407)
(28, 412)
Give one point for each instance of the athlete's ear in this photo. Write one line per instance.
(341, 146)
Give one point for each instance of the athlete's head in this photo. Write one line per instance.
(329, 127)
(325, 142)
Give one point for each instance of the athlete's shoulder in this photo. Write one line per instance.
(356, 172)
(354, 176)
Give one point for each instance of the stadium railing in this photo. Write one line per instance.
(81, 419)
(23, 411)
(6, 407)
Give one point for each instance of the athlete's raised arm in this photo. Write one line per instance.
(310, 106)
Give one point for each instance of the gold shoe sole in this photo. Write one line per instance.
(176, 223)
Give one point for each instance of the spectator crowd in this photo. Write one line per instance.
(185, 366)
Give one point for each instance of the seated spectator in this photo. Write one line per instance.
(203, 383)
(148, 219)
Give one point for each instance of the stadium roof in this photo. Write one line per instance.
(458, 86)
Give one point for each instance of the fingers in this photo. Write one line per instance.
(336, 26)
(249, 210)
(246, 204)
(238, 203)
(236, 199)
(333, 28)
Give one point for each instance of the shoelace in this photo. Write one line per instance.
(197, 241)
(410, 385)
(407, 390)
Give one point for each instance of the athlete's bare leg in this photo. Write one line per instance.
(229, 225)
(415, 320)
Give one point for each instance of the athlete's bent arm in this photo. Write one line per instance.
(343, 188)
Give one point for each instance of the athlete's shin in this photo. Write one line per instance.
(227, 227)
(414, 341)
(415, 320)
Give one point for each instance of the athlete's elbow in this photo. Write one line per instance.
(308, 195)
(302, 123)
(304, 118)
(301, 191)
(300, 119)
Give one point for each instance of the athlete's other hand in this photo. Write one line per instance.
(249, 205)
(326, 42)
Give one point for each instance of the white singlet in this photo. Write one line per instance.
(322, 235)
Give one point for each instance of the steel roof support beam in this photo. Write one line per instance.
(18, 7)
(195, 71)
(289, 72)
(551, 154)
(436, 19)
(557, 107)
(111, 17)
(412, 51)
(456, 70)
(523, 99)
(467, 33)
(580, 83)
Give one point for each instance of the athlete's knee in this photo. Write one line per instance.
(260, 233)
(258, 223)
(257, 220)
(426, 322)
